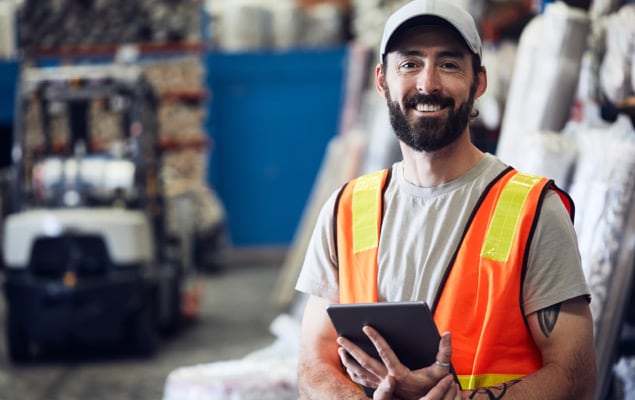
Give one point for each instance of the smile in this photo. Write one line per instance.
(423, 107)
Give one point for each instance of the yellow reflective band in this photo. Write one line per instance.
(471, 382)
(366, 198)
(500, 233)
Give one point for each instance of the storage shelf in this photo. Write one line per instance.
(187, 96)
(109, 50)
(168, 144)
(165, 144)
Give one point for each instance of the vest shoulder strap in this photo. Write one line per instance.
(357, 217)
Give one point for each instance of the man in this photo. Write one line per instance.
(492, 250)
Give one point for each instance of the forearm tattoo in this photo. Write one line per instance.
(494, 392)
(547, 318)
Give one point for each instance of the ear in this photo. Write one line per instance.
(482, 83)
(380, 79)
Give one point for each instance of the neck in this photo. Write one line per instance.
(436, 168)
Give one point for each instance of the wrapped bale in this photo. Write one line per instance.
(545, 77)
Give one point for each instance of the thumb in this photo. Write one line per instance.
(445, 348)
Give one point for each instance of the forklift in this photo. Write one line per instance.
(87, 259)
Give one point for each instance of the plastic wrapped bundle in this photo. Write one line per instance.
(545, 78)
(324, 26)
(244, 26)
(247, 25)
(604, 170)
(604, 191)
(369, 17)
(548, 154)
(232, 380)
(616, 76)
(7, 30)
(266, 374)
(625, 370)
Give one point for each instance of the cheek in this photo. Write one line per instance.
(461, 90)
(398, 94)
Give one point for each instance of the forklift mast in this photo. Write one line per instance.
(124, 89)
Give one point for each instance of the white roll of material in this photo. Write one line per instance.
(266, 374)
(617, 70)
(7, 29)
(545, 78)
(288, 22)
(244, 25)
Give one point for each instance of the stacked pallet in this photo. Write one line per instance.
(55, 24)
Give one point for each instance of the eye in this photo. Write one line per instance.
(449, 65)
(408, 66)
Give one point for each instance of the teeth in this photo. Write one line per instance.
(428, 107)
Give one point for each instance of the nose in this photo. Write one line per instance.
(428, 81)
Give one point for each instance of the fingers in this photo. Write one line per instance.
(361, 367)
(445, 389)
(356, 372)
(363, 359)
(394, 378)
(389, 358)
(364, 369)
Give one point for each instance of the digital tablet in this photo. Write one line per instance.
(408, 328)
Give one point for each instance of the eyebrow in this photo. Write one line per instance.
(445, 53)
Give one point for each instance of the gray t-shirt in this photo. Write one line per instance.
(420, 232)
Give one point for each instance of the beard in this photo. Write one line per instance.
(429, 133)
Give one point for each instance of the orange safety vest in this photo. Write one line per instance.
(479, 299)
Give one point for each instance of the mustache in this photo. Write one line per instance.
(435, 98)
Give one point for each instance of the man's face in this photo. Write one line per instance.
(430, 88)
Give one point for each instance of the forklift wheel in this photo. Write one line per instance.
(144, 336)
(175, 320)
(17, 342)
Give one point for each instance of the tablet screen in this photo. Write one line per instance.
(408, 328)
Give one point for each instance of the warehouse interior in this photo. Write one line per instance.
(201, 138)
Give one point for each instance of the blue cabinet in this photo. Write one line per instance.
(8, 85)
(270, 118)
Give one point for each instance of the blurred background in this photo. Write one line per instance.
(162, 163)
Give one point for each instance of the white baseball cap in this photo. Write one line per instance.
(408, 16)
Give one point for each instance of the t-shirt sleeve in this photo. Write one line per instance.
(554, 271)
(319, 273)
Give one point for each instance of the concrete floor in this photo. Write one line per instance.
(235, 316)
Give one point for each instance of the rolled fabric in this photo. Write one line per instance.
(545, 78)
(617, 70)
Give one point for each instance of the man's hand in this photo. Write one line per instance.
(445, 389)
(391, 377)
